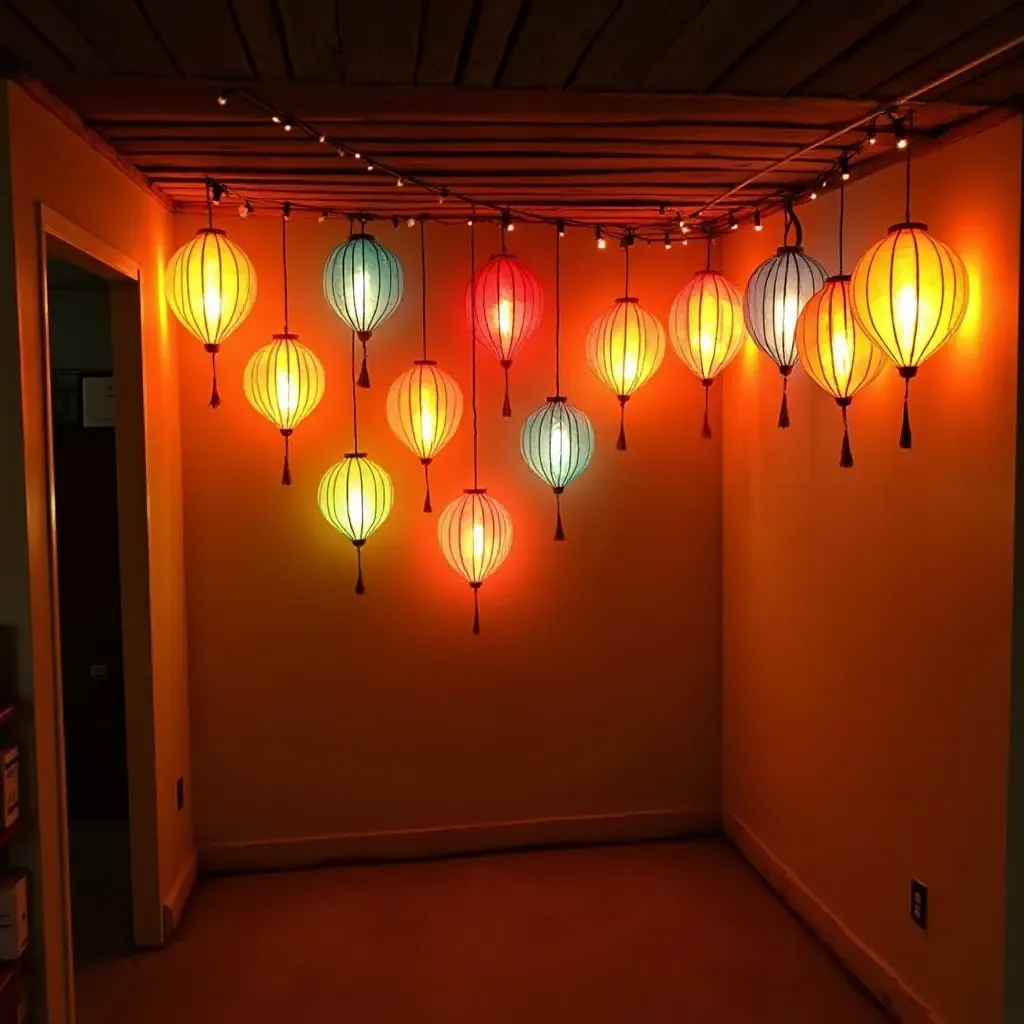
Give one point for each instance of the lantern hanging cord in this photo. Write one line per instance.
(792, 222)
(842, 220)
(707, 265)
(472, 342)
(423, 280)
(909, 124)
(285, 212)
(209, 201)
(626, 246)
(558, 308)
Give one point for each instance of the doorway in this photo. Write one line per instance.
(85, 502)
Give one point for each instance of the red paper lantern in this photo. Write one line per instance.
(508, 304)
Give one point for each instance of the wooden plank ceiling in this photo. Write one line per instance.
(604, 110)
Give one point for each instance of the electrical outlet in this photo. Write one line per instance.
(919, 903)
(180, 791)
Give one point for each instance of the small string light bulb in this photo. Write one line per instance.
(369, 165)
(411, 222)
(222, 100)
(684, 227)
(844, 167)
(321, 139)
(469, 223)
(322, 217)
(601, 241)
(286, 211)
(668, 240)
(733, 226)
(560, 225)
(275, 119)
(872, 134)
(813, 196)
(287, 126)
(757, 221)
(899, 129)
(244, 209)
(443, 196)
(823, 184)
(357, 155)
(399, 182)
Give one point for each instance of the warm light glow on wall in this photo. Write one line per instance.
(836, 352)
(706, 328)
(211, 286)
(355, 497)
(910, 295)
(284, 381)
(424, 410)
(475, 533)
(557, 442)
(625, 347)
(774, 296)
(509, 307)
(363, 284)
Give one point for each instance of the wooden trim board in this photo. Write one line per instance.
(415, 844)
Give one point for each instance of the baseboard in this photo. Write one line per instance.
(174, 904)
(862, 962)
(416, 844)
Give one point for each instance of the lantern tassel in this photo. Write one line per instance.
(286, 472)
(506, 407)
(214, 393)
(559, 532)
(705, 430)
(846, 452)
(784, 408)
(620, 444)
(906, 438)
(360, 589)
(427, 507)
(364, 373)
(476, 608)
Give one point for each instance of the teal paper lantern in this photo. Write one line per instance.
(363, 283)
(557, 442)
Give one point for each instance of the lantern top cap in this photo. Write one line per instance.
(783, 249)
(908, 225)
(502, 256)
(361, 236)
(424, 362)
(835, 278)
(355, 455)
(475, 490)
(284, 337)
(627, 298)
(211, 231)
(557, 398)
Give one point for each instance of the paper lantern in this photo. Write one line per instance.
(424, 410)
(475, 533)
(284, 381)
(775, 294)
(507, 304)
(557, 442)
(211, 286)
(625, 347)
(706, 328)
(836, 352)
(355, 497)
(910, 295)
(363, 284)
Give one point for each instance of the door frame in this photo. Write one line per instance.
(60, 236)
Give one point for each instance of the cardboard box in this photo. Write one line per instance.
(13, 916)
(9, 797)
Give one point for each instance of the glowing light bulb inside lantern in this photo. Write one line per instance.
(211, 294)
(842, 359)
(428, 417)
(908, 315)
(504, 320)
(359, 294)
(559, 448)
(786, 313)
(287, 392)
(478, 541)
(625, 351)
(360, 510)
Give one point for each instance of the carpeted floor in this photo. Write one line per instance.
(672, 932)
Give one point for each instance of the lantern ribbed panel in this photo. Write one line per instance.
(910, 293)
(509, 306)
(424, 408)
(284, 381)
(363, 283)
(837, 353)
(211, 285)
(706, 323)
(625, 346)
(557, 442)
(774, 297)
(355, 497)
(475, 533)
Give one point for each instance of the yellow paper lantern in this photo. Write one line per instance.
(355, 497)
(284, 381)
(910, 295)
(211, 286)
(836, 352)
(424, 409)
(475, 533)
(706, 328)
(625, 347)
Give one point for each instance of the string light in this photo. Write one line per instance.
(823, 184)
(668, 240)
(683, 226)
(872, 134)
(844, 167)
(899, 130)
(757, 220)
(560, 226)
(276, 119)
(443, 196)
(411, 222)
(244, 208)
(222, 100)
(601, 243)
(399, 182)
(321, 139)
(813, 196)
(357, 155)
(287, 126)
(369, 165)
(733, 226)
(322, 217)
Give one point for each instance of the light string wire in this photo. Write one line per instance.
(355, 410)
(285, 211)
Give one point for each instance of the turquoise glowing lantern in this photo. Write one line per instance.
(557, 442)
(363, 284)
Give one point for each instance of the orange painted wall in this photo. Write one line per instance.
(51, 165)
(594, 686)
(867, 612)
